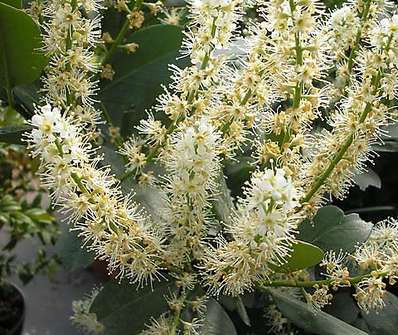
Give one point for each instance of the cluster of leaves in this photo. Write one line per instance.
(21, 220)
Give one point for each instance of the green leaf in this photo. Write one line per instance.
(40, 215)
(139, 76)
(238, 173)
(13, 134)
(13, 3)
(343, 306)
(152, 200)
(384, 321)
(21, 62)
(27, 96)
(311, 320)
(69, 249)
(222, 202)
(113, 159)
(123, 309)
(217, 321)
(304, 255)
(332, 230)
(366, 179)
(235, 304)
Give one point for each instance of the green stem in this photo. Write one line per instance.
(115, 44)
(177, 316)
(78, 182)
(75, 177)
(120, 36)
(337, 158)
(59, 147)
(312, 283)
(364, 17)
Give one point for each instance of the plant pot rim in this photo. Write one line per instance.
(21, 320)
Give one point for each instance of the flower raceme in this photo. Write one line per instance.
(192, 168)
(300, 65)
(69, 41)
(90, 198)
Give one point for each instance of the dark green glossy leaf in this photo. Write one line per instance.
(139, 76)
(238, 173)
(21, 62)
(123, 309)
(304, 255)
(385, 321)
(235, 304)
(389, 140)
(27, 96)
(113, 159)
(69, 249)
(366, 179)
(332, 230)
(13, 134)
(311, 320)
(217, 321)
(343, 306)
(223, 204)
(13, 3)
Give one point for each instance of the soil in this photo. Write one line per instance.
(11, 309)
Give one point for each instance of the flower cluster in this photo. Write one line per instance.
(262, 228)
(376, 260)
(212, 27)
(379, 257)
(339, 154)
(192, 169)
(69, 41)
(110, 224)
(302, 58)
(191, 311)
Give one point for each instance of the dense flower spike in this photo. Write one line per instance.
(192, 169)
(302, 58)
(111, 224)
(70, 38)
(356, 123)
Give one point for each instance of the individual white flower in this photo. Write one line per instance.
(46, 123)
(321, 297)
(385, 231)
(369, 256)
(131, 149)
(279, 324)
